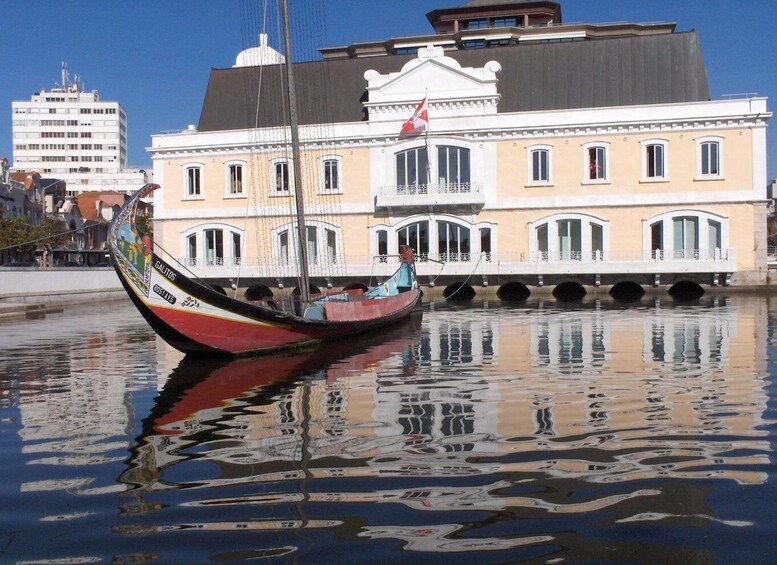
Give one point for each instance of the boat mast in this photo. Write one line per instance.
(297, 166)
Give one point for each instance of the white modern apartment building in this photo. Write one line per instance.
(75, 136)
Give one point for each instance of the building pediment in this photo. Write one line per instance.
(452, 90)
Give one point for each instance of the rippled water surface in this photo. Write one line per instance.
(539, 432)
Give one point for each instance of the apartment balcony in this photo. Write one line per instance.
(440, 196)
(719, 263)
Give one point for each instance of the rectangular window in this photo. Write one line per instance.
(686, 237)
(191, 249)
(236, 179)
(485, 243)
(539, 165)
(382, 243)
(542, 241)
(654, 160)
(597, 240)
(714, 235)
(193, 181)
(597, 164)
(281, 177)
(481, 23)
(312, 244)
(283, 247)
(505, 22)
(453, 168)
(710, 156)
(331, 245)
(569, 244)
(236, 248)
(214, 247)
(331, 175)
(413, 169)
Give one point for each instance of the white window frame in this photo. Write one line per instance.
(322, 259)
(290, 169)
(198, 232)
(586, 252)
(530, 150)
(700, 141)
(186, 167)
(228, 179)
(434, 219)
(322, 166)
(587, 180)
(703, 219)
(645, 144)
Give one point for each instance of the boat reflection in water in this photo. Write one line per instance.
(532, 430)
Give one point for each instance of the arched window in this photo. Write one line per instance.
(442, 237)
(213, 245)
(323, 243)
(686, 234)
(569, 237)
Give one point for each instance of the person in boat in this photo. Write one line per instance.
(406, 254)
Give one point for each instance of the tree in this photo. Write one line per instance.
(19, 239)
(144, 223)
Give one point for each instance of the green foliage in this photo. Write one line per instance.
(145, 225)
(19, 239)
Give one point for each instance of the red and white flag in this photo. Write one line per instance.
(418, 122)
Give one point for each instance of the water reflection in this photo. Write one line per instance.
(490, 429)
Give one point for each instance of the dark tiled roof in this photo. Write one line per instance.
(489, 3)
(653, 69)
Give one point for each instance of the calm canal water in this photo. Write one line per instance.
(485, 433)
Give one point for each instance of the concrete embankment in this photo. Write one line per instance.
(31, 293)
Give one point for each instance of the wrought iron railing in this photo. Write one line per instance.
(432, 188)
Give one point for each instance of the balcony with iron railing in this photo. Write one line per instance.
(431, 265)
(441, 195)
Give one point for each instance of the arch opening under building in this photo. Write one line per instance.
(686, 290)
(513, 291)
(459, 292)
(312, 288)
(627, 290)
(569, 291)
(258, 292)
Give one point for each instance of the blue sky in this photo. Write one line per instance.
(154, 56)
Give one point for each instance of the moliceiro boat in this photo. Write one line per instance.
(194, 318)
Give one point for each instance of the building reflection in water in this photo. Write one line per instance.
(526, 410)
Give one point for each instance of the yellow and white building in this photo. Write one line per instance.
(583, 153)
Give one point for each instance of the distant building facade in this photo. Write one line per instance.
(21, 194)
(75, 136)
(586, 153)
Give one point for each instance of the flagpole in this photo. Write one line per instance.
(428, 152)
